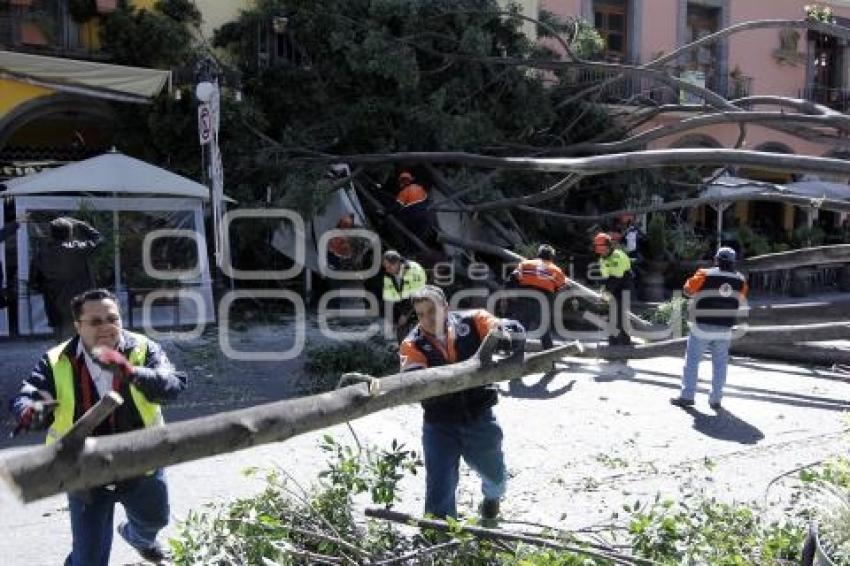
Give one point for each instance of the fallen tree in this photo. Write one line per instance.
(839, 253)
(39, 473)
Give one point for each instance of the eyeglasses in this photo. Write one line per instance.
(98, 322)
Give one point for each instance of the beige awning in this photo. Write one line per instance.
(114, 82)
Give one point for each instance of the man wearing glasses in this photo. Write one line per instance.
(68, 380)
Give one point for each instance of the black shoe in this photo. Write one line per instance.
(715, 406)
(681, 402)
(490, 509)
(155, 553)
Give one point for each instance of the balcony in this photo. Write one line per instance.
(44, 27)
(835, 98)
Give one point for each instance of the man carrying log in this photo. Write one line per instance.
(73, 377)
(716, 294)
(543, 277)
(462, 423)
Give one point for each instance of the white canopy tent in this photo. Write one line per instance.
(127, 199)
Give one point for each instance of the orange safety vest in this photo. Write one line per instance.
(540, 274)
(412, 194)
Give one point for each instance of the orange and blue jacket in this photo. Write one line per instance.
(540, 274)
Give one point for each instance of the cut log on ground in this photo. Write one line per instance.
(839, 253)
(38, 473)
(753, 336)
(795, 353)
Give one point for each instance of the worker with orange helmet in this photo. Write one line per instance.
(340, 252)
(618, 282)
(543, 276)
(412, 205)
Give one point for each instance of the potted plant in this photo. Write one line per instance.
(652, 280)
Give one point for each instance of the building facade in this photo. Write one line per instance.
(789, 63)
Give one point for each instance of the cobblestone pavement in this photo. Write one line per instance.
(578, 444)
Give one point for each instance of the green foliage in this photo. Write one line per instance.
(327, 362)
(752, 244)
(710, 532)
(828, 488)
(148, 38)
(280, 519)
(684, 243)
(371, 76)
(657, 236)
(804, 237)
(819, 13)
(667, 312)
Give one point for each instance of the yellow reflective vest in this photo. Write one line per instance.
(63, 380)
(616, 265)
(413, 277)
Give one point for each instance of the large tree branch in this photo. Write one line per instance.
(821, 255)
(601, 164)
(557, 190)
(838, 121)
(37, 473)
(805, 202)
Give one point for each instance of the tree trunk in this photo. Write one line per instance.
(38, 473)
(839, 253)
(795, 353)
(602, 164)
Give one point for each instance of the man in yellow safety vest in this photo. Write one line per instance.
(68, 380)
(402, 277)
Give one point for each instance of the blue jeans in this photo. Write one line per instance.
(715, 339)
(443, 444)
(145, 500)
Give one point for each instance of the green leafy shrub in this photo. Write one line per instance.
(804, 237)
(752, 244)
(664, 313)
(710, 532)
(282, 522)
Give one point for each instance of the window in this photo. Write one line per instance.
(703, 21)
(42, 26)
(610, 20)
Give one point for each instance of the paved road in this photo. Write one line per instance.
(578, 445)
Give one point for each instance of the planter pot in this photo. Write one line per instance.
(106, 6)
(652, 285)
(813, 553)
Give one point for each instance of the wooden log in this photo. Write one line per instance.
(752, 335)
(609, 163)
(37, 473)
(73, 440)
(796, 353)
(839, 253)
